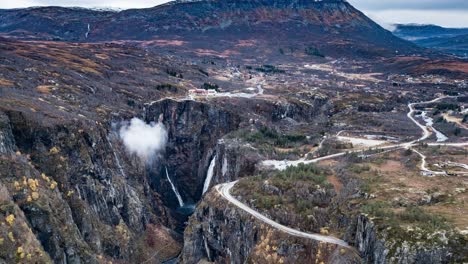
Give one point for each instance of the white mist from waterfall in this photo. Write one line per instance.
(177, 194)
(144, 140)
(209, 175)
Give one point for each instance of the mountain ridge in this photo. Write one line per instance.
(446, 40)
(298, 23)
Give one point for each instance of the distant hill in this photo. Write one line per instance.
(328, 27)
(448, 40)
(457, 45)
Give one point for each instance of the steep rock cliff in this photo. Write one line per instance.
(222, 233)
(380, 246)
(66, 179)
(194, 129)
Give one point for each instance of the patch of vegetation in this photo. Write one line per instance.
(167, 87)
(210, 86)
(358, 169)
(204, 72)
(174, 73)
(331, 146)
(440, 119)
(274, 144)
(447, 106)
(414, 215)
(269, 69)
(298, 196)
(272, 151)
(269, 136)
(451, 93)
(131, 103)
(302, 172)
(313, 51)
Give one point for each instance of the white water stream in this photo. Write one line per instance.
(430, 123)
(116, 157)
(87, 32)
(283, 164)
(209, 175)
(177, 194)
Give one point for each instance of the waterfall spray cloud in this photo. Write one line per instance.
(144, 140)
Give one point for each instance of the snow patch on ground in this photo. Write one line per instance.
(362, 142)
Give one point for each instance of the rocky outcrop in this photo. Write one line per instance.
(367, 243)
(81, 195)
(194, 129)
(379, 246)
(198, 135)
(233, 159)
(7, 141)
(307, 107)
(215, 229)
(221, 233)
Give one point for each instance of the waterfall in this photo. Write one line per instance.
(117, 160)
(208, 255)
(177, 194)
(209, 175)
(286, 111)
(87, 32)
(224, 169)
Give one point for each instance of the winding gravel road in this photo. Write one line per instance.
(224, 191)
(283, 164)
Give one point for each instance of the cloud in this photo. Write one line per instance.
(144, 140)
(447, 13)
(361, 4)
(123, 4)
(388, 26)
(411, 4)
(445, 18)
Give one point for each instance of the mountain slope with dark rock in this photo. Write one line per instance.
(223, 27)
(63, 164)
(73, 192)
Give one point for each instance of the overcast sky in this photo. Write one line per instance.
(450, 13)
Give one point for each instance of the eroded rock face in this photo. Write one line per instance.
(234, 159)
(377, 246)
(7, 141)
(222, 233)
(197, 135)
(367, 242)
(67, 180)
(194, 129)
(214, 231)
